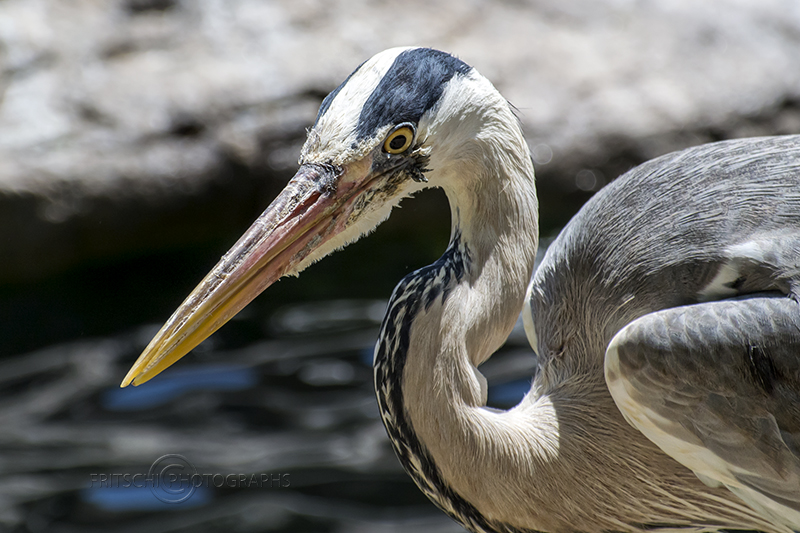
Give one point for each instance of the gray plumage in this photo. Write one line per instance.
(724, 376)
(637, 266)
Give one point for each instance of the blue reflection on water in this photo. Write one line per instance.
(506, 395)
(367, 356)
(133, 498)
(165, 388)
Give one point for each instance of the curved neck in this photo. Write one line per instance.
(446, 319)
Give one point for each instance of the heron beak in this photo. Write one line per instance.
(312, 208)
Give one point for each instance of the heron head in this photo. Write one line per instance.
(397, 124)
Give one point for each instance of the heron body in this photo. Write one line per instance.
(665, 316)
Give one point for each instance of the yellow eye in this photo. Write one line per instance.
(399, 140)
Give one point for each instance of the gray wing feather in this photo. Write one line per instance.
(717, 386)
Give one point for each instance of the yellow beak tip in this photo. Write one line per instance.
(134, 378)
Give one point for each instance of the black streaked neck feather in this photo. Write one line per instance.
(415, 293)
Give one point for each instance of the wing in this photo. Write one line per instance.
(717, 387)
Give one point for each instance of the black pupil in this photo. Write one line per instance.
(397, 142)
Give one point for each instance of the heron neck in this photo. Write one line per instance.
(446, 319)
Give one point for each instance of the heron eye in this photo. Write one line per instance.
(399, 140)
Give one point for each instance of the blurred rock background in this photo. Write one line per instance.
(138, 138)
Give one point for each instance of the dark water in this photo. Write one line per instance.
(271, 425)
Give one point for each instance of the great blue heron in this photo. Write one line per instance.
(665, 316)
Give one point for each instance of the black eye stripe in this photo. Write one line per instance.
(411, 86)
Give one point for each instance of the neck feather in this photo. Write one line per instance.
(446, 319)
